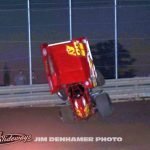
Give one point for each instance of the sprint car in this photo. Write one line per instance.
(72, 75)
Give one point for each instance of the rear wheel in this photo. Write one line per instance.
(66, 114)
(100, 78)
(103, 104)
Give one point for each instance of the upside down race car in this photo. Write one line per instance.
(72, 75)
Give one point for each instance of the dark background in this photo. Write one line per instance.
(91, 18)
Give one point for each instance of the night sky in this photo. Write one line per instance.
(91, 18)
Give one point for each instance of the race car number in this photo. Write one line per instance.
(77, 50)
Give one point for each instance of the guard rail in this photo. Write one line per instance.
(38, 95)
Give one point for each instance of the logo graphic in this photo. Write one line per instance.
(12, 138)
(76, 50)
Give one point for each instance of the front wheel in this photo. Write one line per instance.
(62, 94)
(103, 104)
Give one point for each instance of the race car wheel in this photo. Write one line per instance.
(66, 114)
(100, 78)
(62, 95)
(103, 104)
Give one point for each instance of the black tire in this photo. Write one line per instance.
(100, 78)
(103, 104)
(66, 114)
(62, 95)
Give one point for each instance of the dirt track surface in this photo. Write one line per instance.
(131, 121)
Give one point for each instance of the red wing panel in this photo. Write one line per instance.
(66, 63)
